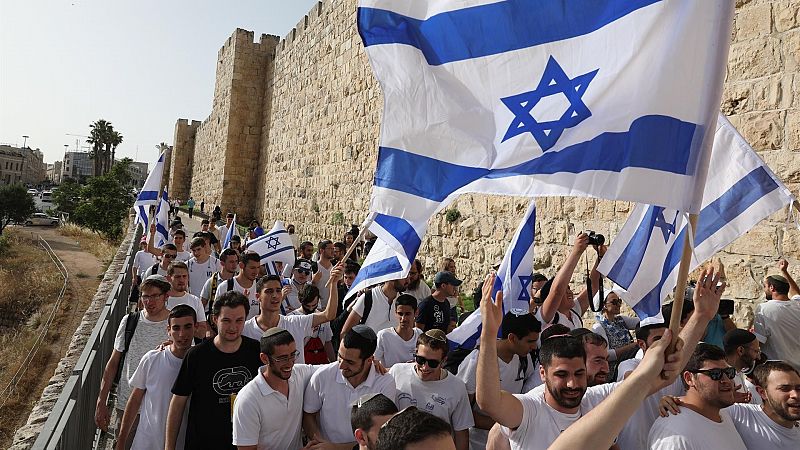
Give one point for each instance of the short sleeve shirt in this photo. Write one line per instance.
(432, 313)
(381, 315)
(250, 293)
(199, 272)
(189, 300)
(392, 349)
(148, 335)
(445, 398)
(299, 326)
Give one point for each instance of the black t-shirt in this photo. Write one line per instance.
(213, 378)
(433, 314)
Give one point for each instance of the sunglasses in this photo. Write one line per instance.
(168, 256)
(286, 358)
(303, 271)
(716, 374)
(421, 360)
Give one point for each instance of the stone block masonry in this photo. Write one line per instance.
(294, 127)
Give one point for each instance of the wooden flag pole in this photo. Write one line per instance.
(364, 228)
(680, 286)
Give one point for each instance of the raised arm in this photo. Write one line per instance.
(793, 289)
(151, 248)
(585, 296)
(503, 407)
(333, 301)
(561, 281)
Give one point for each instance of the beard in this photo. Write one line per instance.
(598, 378)
(413, 284)
(564, 401)
(782, 410)
(278, 373)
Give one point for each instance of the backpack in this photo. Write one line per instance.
(154, 269)
(338, 322)
(556, 318)
(131, 321)
(314, 351)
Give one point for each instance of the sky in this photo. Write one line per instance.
(140, 64)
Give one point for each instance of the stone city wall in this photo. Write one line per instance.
(321, 110)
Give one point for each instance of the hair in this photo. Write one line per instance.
(228, 252)
(686, 310)
(162, 286)
(176, 265)
(643, 332)
(410, 427)
(268, 343)
(365, 346)
(446, 262)
(309, 293)
(520, 325)
(418, 263)
(205, 222)
(702, 353)
(553, 330)
(538, 277)
(264, 280)
(182, 311)
(250, 256)
(179, 232)
(340, 246)
(169, 246)
(229, 215)
(406, 300)
(305, 244)
(560, 347)
(379, 405)
(323, 244)
(197, 242)
(351, 267)
(589, 337)
(778, 283)
(762, 371)
(231, 299)
(434, 341)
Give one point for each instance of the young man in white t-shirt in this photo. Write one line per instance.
(323, 274)
(742, 350)
(381, 315)
(178, 276)
(301, 274)
(416, 283)
(426, 385)
(520, 334)
(142, 261)
(152, 382)
(338, 385)
(777, 321)
(398, 344)
(245, 281)
(320, 350)
(268, 412)
(367, 417)
(270, 294)
(223, 230)
(201, 265)
(229, 262)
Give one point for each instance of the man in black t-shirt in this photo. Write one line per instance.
(434, 310)
(212, 373)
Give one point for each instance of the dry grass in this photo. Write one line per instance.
(90, 241)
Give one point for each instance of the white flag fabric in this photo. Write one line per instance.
(162, 220)
(274, 247)
(514, 278)
(231, 231)
(149, 193)
(740, 192)
(612, 99)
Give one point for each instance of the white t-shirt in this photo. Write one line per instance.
(776, 324)
(422, 291)
(392, 349)
(330, 394)
(204, 294)
(265, 417)
(759, 432)
(692, 431)
(381, 315)
(572, 322)
(183, 256)
(191, 300)
(445, 398)
(746, 386)
(634, 433)
(510, 381)
(292, 302)
(250, 293)
(298, 326)
(200, 272)
(541, 424)
(156, 374)
(148, 335)
(223, 231)
(324, 291)
(147, 271)
(143, 261)
(629, 365)
(323, 331)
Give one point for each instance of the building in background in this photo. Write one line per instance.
(138, 171)
(54, 172)
(12, 161)
(77, 166)
(31, 170)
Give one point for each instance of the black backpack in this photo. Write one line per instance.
(338, 322)
(131, 321)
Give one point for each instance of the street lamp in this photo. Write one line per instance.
(24, 143)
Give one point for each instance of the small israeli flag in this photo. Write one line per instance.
(162, 220)
(231, 231)
(149, 193)
(274, 246)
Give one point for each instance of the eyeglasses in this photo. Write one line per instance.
(150, 297)
(421, 360)
(716, 374)
(168, 256)
(286, 358)
(303, 271)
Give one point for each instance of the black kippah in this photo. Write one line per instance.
(736, 338)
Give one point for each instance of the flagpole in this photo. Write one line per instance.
(364, 228)
(680, 286)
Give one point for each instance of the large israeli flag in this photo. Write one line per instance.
(162, 220)
(613, 99)
(514, 279)
(149, 193)
(274, 246)
(740, 192)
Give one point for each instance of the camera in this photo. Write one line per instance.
(595, 238)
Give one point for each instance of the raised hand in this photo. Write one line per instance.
(707, 294)
(491, 310)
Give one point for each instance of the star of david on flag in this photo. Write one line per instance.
(275, 248)
(149, 194)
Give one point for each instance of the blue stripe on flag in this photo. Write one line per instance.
(628, 263)
(378, 269)
(470, 342)
(494, 28)
(264, 237)
(669, 138)
(405, 234)
(147, 195)
(275, 252)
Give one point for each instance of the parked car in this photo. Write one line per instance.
(33, 192)
(47, 196)
(42, 219)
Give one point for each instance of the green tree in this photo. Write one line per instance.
(16, 205)
(105, 201)
(67, 196)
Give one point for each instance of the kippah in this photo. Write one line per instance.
(273, 331)
(157, 277)
(778, 278)
(736, 338)
(365, 332)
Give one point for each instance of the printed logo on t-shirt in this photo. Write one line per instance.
(230, 380)
(438, 314)
(438, 399)
(406, 397)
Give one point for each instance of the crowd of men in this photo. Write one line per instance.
(218, 354)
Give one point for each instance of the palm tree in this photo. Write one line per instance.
(115, 140)
(99, 137)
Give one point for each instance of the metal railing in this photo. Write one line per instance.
(70, 424)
